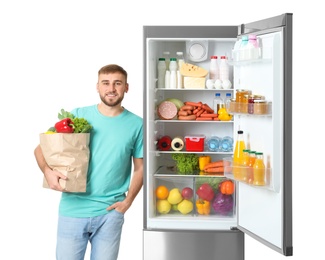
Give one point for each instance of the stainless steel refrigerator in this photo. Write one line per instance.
(264, 213)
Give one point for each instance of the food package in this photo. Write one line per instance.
(68, 154)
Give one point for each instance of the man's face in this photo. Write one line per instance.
(111, 88)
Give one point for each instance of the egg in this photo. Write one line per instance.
(218, 84)
(226, 84)
(209, 84)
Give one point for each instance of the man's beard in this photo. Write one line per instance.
(111, 103)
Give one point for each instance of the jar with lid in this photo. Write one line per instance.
(242, 100)
(260, 107)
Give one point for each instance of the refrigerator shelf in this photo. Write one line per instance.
(250, 56)
(203, 152)
(244, 175)
(192, 121)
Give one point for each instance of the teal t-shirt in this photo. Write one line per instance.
(114, 141)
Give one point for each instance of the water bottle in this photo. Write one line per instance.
(217, 103)
(213, 143)
(226, 144)
(227, 101)
(224, 69)
(161, 72)
(214, 68)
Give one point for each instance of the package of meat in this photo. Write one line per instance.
(167, 110)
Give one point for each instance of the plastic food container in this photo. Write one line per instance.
(194, 143)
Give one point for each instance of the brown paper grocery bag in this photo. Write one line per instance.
(68, 154)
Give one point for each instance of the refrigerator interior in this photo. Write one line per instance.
(262, 133)
(159, 162)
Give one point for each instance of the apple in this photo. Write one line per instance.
(187, 193)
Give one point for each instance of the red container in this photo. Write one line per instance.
(194, 143)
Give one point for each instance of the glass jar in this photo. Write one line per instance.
(260, 107)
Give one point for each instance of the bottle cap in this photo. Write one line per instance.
(223, 57)
(228, 94)
(252, 37)
(173, 59)
(240, 132)
(161, 58)
(217, 94)
(214, 57)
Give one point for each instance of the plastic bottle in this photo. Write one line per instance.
(173, 72)
(177, 143)
(227, 101)
(251, 47)
(242, 48)
(259, 170)
(213, 143)
(235, 51)
(164, 143)
(161, 72)
(214, 68)
(180, 64)
(224, 69)
(166, 55)
(167, 79)
(226, 144)
(250, 171)
(238, 154)
(217, 103)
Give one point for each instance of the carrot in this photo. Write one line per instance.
(216, 119)
(204, 118)
(208, 115)
(189, 117)
(207, 108)
(187, 107)
(214, 164)
(189, 112)
(215, 170)
(194, 104)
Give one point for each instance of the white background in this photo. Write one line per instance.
(50, 52)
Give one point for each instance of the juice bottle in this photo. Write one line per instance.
(250, 170)
(244, 168)
(238, 154)
(259, 170)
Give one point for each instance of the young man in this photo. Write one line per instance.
(116, 142)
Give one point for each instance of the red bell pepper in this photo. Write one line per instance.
(64, 126)
(205, 192)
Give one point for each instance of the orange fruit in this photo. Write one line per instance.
(162, 192)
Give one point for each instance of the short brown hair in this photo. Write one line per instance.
(112, 68)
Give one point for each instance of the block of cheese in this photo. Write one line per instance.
(190, 70)
(194, 82)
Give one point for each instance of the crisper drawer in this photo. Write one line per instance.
(193, 245)
(199, 197)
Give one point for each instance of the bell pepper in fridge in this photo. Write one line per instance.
(205, 192)
(203, 207)
(64, 126)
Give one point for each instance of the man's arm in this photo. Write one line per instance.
(52, 177)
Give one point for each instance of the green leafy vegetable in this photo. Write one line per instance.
(80, 124)
(187, 163)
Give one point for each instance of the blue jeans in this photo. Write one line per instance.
(103, 233)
